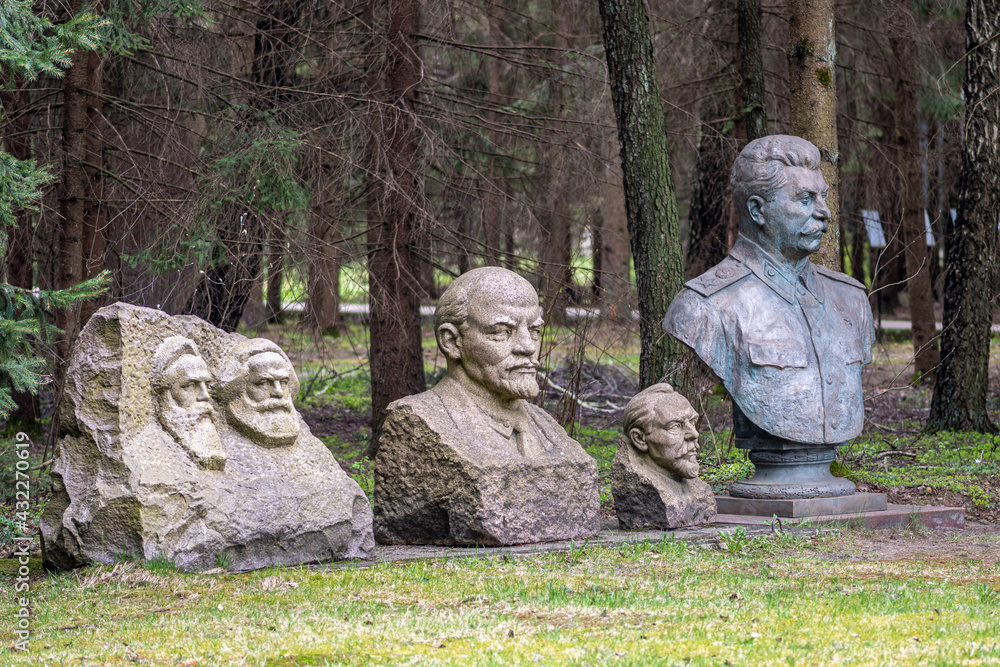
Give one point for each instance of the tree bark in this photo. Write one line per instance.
(911, 198)
(616, 254)
(556, 251)
(710, 201)
(74, 206)
(654, 231)
(275, 272)
(492, 218)
(324, 262)
(812, 51)
(751, 56)
(92, 242)
(395, 355)
(959, 401)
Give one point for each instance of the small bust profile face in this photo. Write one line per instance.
(181, 381)
(660, 424)
(258, 390)
(781, 195)
(488, 325)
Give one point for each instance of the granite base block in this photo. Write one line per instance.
(801, 507)
(894, 516)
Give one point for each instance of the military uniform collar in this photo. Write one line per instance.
(784, 283)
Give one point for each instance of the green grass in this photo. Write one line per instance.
(964, 463)
(773, 601)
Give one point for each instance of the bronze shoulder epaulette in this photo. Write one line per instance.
(838, 276)
(723, 274)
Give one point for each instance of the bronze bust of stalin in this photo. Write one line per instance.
(787, 337)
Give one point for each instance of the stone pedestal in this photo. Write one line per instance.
(802, 507)
(444, 476)
(785, 470)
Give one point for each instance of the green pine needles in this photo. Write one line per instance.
(22, 320)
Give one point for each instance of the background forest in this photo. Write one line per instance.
(242, 161)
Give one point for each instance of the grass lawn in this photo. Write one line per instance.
(853, 597)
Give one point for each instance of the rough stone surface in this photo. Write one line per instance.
(647, 497)
(444, 476)
(131, 479)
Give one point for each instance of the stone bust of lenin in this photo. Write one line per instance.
(787, 337)
(471, 461)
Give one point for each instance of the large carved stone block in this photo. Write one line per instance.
(179, 441)
(470, 462)
(654, 475)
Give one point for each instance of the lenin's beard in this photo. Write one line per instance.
(270, 423)
(519, 384)
(194, 429)
(517, 381)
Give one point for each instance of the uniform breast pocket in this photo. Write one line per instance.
(851, 352)
(778, 353)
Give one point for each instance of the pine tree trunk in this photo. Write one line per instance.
(275, 272)
(653, 226)
(811, 53)
(556, 251)
(73, 194)
(324, 262)
(751, 57)
(911, 200)
(959, 401)
(93, 244)
(616, 254)
(492, 218)
(710, 201)
(395, 355)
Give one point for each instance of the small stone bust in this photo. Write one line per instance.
(654, 476)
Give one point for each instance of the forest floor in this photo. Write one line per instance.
(843, 597)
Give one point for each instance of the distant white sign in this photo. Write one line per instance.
(873, 225)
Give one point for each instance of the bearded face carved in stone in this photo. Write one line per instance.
(662, 426)
(183, 404)
(258, 393)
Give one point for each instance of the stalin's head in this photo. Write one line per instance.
(780, 194)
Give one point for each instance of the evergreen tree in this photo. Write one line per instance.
(30, 45)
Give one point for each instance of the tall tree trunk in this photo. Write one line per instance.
(492, 219)
(812, 50)
(959, 401)
(324, 261)
(395, 355)
(74, 206)
(750, 95)
(92, 242)
(616, 254)
(556, 251)
(275, 272)
(654, 230)
(710, 201)
(911, 197)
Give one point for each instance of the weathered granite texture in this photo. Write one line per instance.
(149, 466)
(470, 462)
(654, 475)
